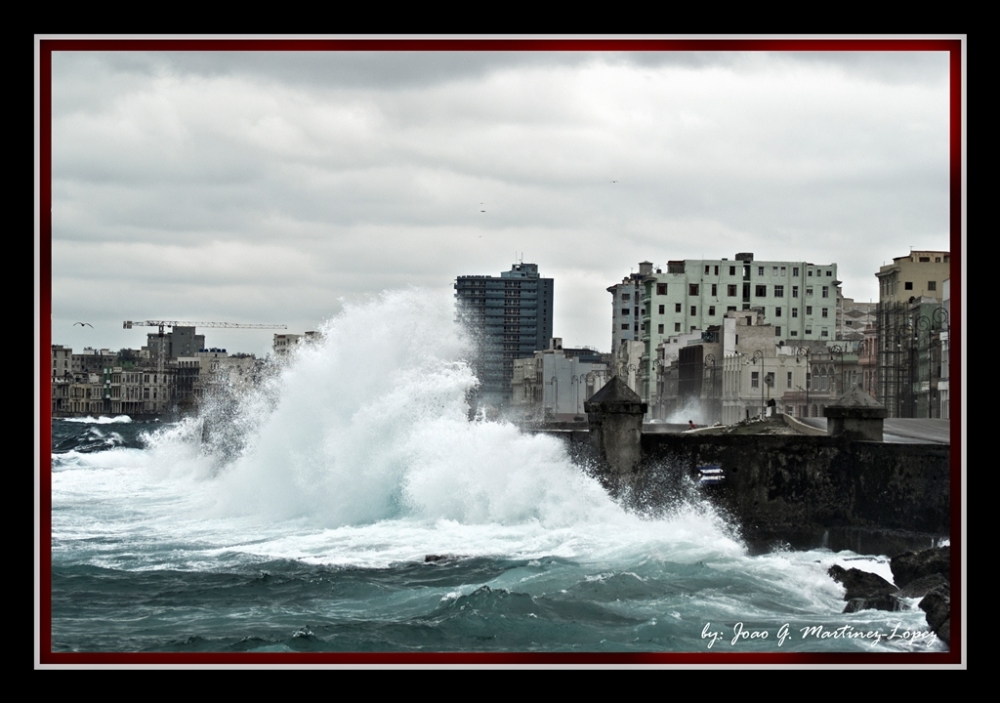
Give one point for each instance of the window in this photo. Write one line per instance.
(731, 291)
(908, 285)
(732, 270)
(661, 309)
(777, 331)
(809, 330)
(677, 327)
(760, 270)
(774, 270)
(659, 329)
(779, 291)
(809, 309)
(661, 288)
(795, 291)
(711, 310)
(761, 291)
(829, 273)
(794, 333)
(795, 312)
(677, 307)
(692, 289)
(810, 272)
(694, 311)
(925, 259)
(795, 270)
(715, 290)
(826, 312)
(624, 325)
(755, 379)
(788, 383)
(809, 291)
(826, 291)
(777, 312)
(716, 270)
(626, 296)
(731, 308)
(707, 269)
(825, 332)
(931, 285)
(624, 311)
(783, 271)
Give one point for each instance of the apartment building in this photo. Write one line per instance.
(798, 300)
(509, 317)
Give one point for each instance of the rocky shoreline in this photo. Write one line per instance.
(925, 574)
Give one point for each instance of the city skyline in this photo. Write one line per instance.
(270, 187)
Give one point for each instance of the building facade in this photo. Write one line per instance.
(798, 300)
(912, 331)
(509, 317)
(553, 384)
(627, 311)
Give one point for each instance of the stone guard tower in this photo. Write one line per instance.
(856, 416)
(614, 415)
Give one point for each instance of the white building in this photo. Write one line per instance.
(798, 300)
(554, 383)
(627, 311)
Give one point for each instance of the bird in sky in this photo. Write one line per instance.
(82, 324)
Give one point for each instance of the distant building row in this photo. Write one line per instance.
(174, 374)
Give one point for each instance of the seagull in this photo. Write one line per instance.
(82, 324)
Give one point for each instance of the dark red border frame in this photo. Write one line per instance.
(47, 46)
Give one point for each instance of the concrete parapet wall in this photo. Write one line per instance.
(795, 487)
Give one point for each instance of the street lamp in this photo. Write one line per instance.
(758, 356)
(577, 380)
(837, 349)
(710, 367)
(800, 353)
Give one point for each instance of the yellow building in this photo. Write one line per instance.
(920, 274)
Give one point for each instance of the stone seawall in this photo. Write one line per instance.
(803, 491)
(809, 490)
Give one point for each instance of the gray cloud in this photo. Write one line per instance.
(268, 186)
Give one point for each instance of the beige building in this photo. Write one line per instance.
(920, 274)
(912, 328)
(759, 373)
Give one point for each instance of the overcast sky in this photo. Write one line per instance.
(268, 187)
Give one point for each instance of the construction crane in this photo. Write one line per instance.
(129, 324)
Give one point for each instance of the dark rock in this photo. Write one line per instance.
(922, 586)
(910, 566)
(860, 584)
(432, 558)
(937, 605)
(885, 602)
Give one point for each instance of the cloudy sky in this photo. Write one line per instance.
(273, 186)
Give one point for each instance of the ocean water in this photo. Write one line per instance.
(304, 523)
